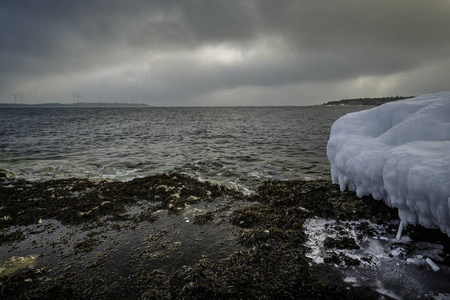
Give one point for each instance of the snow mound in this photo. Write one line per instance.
(398, 152)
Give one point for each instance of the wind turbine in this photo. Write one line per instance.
(76, 96)
(17, 95)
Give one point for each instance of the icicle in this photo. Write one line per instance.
(399, 232)
(432, 264)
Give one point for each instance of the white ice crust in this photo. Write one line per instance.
(398, 152)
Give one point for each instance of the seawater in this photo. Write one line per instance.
(238, 146)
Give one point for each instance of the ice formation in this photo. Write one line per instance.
(398, 152)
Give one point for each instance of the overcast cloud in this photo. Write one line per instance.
(222, 52)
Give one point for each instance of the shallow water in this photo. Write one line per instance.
(240, 146)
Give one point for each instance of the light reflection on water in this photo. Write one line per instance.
(240, 146)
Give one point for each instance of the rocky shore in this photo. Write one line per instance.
(172, 236)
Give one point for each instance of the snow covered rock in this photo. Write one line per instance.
(398, 152)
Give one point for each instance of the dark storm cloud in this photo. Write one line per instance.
(57, 29)
(158, 44)
(68, 36)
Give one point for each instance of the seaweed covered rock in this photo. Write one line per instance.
(275, 265)
(323, 199)
(171, 236)
(75, 201)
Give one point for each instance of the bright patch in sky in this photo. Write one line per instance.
(219, 54)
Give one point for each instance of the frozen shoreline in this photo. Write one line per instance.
(398, 152)
(174, 235)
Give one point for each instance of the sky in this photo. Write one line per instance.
(222, 52)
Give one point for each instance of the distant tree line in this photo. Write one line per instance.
(367, 101)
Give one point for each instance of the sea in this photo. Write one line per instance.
(237, 146)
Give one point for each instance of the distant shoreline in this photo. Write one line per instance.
(80, 104)
(355, 101)
(367, 101)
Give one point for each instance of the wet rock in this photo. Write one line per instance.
(267, 259)
(324, 199)
(341, 243)
(6, 175)
(75, 201)
(16, 263)
(86, 245)
(14, 236)
(34, 284)
(203, 218)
